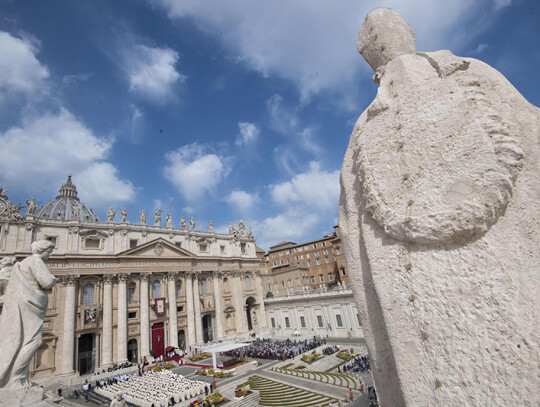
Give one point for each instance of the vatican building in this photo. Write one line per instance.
(129, 291)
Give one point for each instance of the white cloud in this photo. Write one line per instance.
(313, 42)
(249, 133)
(242, 201)
(37, 157)
(314, 188)
(195, 170)
(151, 72)
(479, 49)
(501, 3)
(20, 71)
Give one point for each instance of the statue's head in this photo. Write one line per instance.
(385, 35)
(43, 248)
(119, 396)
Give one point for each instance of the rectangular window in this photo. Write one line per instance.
(288, 252)
(178, 287)
(280, 254)
(312, 280)
(133, 243)
(307, 256)
(287, 324)
(180, 309)
(324, 244)
(330, 277)
(91, 243)
(52, 239)
(203, 247)
(306, 247)
(326, 260)
(243, 248)
(358, 319)
(281, 262)
(309, 263)
(338, 320)
(302, 322)
(314, 245)
(319, 320)
(248, 283)
(321, 277)
(131, 294)
(343, 271)
(273, 322)
(275, 264)
(132, 315)
(283, 284)
(325, 251)
(222, 250)
(302, 257)
(297, 257)
(337, 252)
(273, 255)
(318, 262)
(269, 287)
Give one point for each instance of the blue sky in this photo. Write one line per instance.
(220, 110)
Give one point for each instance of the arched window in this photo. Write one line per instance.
(88, 294)
(204, 287)
(226, 284)
(156, 289)
(248, 283)
(131, 292)
(178, 289)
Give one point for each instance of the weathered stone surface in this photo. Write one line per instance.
(23, 397)
(439, 214)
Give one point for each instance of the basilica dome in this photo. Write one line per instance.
(67, 206)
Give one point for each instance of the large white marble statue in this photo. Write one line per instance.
(142, 217)
(439, 209)
(110, 215)
(118, 401)
(31, 206)
(21, 322)
(123, 214)
(157, 217)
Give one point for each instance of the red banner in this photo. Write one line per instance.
(160, 306)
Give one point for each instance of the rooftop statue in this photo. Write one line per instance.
(142, 217)
(439, 185)
(169, 221)
(31, 206)
(123, 214)
(21, 323)
(110, 215)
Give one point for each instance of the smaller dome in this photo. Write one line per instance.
(65, 206)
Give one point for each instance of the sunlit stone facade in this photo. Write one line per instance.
(131, 290)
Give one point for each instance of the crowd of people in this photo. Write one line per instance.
(357, 364)
(330, 350)
(117, 367)
(154, 389)
(279, 350)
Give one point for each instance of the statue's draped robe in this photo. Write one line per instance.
(25, 304)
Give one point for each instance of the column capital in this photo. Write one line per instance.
(257, 273)
(172, 275)
(108, 278)
(236, 273)
(217, 274)
(122, 277)
(70, 279)
(144, 276)
(188, 275)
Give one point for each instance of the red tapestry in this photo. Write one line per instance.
(158, 339)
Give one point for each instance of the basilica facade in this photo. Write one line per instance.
(126, 291)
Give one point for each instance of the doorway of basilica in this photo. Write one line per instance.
(158, 339)
(250, 306)
(132, 351)
(181, 339)
(208, 329)
(86, 354)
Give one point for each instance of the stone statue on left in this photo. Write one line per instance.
(118, 401)
(31, 208)
(21, 323)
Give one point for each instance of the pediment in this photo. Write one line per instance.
(157, 248)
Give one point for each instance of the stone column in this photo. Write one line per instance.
(191, 339)
(261, 317)
(107, 348)
(98, 353)
(121, 335)
(68, 340)
(240, 312)
(144, 314)
(173, 318)
(197, 306)
(217, 304)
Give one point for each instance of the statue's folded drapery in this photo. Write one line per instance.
(25, 304)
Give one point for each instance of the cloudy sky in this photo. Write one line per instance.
(220, 110)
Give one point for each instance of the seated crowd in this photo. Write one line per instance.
(281, 350)
(358, 364)
(330, 350)
(154, 389)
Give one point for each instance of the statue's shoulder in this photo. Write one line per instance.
(439, 149)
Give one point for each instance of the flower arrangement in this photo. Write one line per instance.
(242, 390)
(344, 354)
(300, 367)
(210, 400)
(200, 356)
(213, 373)
(161, 366)
(314, 356)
